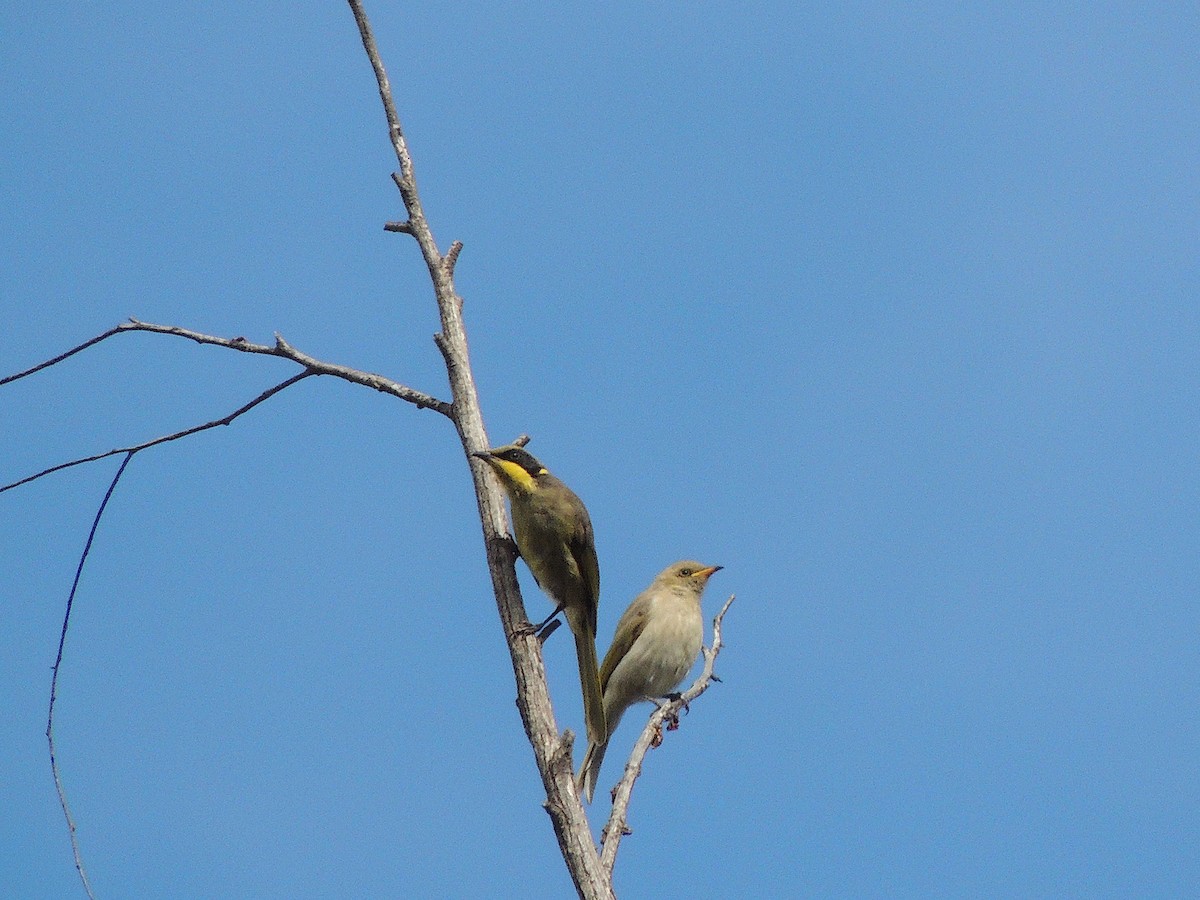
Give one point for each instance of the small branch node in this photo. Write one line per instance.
(398, 227)
(562, 753)
(451, 261)
(444, 348)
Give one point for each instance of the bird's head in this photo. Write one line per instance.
(517, 468)
(687, 573)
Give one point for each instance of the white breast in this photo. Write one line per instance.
(662, 654)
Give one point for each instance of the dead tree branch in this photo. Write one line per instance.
(280, 348)
(552, 752)
(651, 735)
(283, 349)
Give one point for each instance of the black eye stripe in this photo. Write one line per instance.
(520, 457)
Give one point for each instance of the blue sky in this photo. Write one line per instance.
(889, 309)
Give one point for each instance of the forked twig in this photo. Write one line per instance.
(280, 348)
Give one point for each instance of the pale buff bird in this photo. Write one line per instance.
(656, 642)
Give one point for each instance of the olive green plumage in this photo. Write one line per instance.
(554, 536)
(656, 642)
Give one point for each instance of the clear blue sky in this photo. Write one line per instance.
(889, 309)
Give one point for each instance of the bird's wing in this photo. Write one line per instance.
(629, 629)
(583, 548)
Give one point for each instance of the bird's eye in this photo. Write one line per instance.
(685, 572)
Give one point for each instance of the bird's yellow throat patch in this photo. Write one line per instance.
(514, 475)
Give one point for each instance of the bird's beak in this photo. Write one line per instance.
(482, 454)
(708, 573)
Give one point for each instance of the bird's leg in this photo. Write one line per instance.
(541, 629)
(550, 628)
(537, 629)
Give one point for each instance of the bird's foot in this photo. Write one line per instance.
(541, 631)
(543, 628)
(672, 720)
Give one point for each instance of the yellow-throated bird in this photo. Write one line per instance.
(656, 642)
(554, 535)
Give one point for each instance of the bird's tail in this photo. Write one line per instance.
(589, 680)
(589, 771)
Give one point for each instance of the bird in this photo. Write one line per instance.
(656, 642)
(554, 536)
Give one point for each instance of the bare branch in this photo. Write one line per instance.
(285, 350)
(405, 179)
(551, 751)
(281, 349)
(236, 343)
(224, 420)
(62, 640)
(668, 712)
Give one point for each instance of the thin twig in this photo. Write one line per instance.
(617, 826)
(417, 225)
(224, 420)
(50, 362)
(62, 639)
(284, 350)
